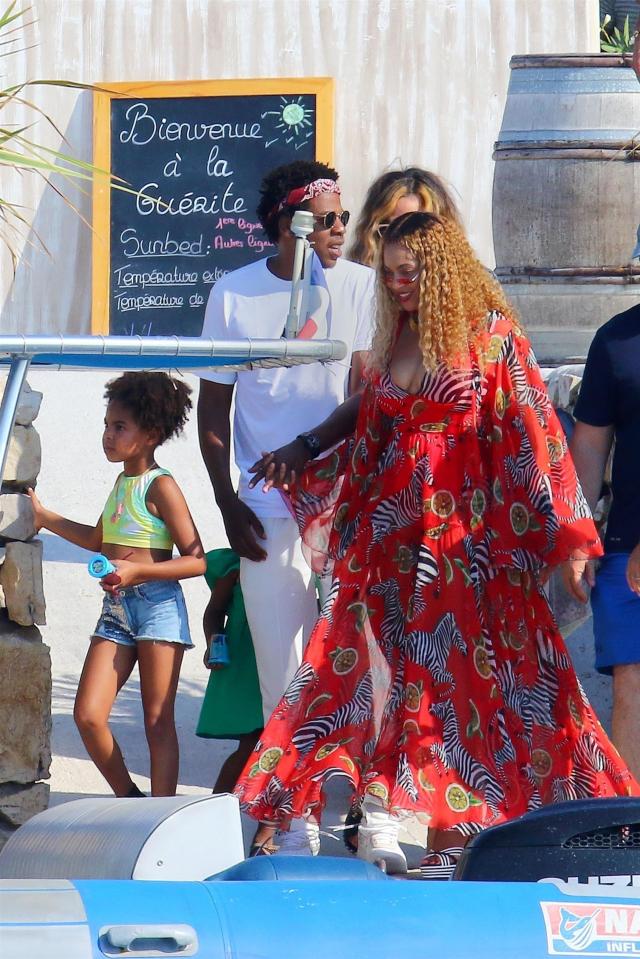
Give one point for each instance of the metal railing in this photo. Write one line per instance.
(19, 353)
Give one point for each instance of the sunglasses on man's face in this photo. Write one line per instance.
(327, 221)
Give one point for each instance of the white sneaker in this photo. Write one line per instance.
(378, 838)
(302, 839)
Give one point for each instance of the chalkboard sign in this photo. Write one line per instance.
(193, 156)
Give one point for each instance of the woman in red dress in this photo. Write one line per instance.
(436, 678)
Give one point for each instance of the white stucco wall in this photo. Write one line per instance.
(417, 81)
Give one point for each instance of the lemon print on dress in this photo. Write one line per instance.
(481, 662)
(473, 726)
(456, 798)
(478, 502)
(317, 702)
(269, 759)
(344, 660)
(378, 790)
(501, 403)
(555, 449)
(494, 348)
(520, 519)
(413, 696)
(443, 503)
(541, 762)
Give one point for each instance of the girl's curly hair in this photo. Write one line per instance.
(456, 293)
(156, 401)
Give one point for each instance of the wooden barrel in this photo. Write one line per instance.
(566, 196)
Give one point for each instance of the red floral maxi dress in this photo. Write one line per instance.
(436, 678)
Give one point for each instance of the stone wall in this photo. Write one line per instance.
(25, 664)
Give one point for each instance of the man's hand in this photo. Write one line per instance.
(243, 529)
(633, 571)
(279, 467)
(577, 572)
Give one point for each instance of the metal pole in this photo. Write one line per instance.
(293, 317)
(9, 405)
(305, 283)
(302, 225)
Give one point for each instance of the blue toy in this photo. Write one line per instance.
(99, 566)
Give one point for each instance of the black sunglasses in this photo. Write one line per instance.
(382, 228)
(328, 220)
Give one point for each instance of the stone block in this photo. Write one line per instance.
(21, 581)
(28, 404)
(25, 704)
(19, 803)
(16, 516)
(24, 457)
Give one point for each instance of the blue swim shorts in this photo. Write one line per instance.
(616, 615)
(153, 611)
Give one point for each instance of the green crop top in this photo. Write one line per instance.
(126, 521)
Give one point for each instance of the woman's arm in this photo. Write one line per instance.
(166, 496)
(88, 537)
(279, 467)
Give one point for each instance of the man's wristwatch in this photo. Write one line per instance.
(311, 442)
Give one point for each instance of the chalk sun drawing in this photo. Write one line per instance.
(293, 122)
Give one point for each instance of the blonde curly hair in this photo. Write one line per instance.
(456, 293)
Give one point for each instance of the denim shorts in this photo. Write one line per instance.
(616, 615)
(153, 611)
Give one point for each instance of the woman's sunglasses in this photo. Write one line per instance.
(399, 279)
(381, 228)
(328, 220)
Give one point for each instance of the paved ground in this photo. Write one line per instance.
(75, 480)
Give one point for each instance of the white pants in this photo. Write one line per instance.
(280, 600)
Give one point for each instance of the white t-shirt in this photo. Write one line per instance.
(272, 406)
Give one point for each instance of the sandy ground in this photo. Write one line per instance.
(75, 480)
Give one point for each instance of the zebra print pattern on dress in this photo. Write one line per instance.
(589, 758)
(304, 675)
(277, 796)
(392, 455)
(355, 712)
(431, 649)
(450, 387)
(450, 754)
(404, 778)
(403, 508)
(427, 571)
(392, 625)
(329, 601)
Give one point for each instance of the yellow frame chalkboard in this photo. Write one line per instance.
(321, 87)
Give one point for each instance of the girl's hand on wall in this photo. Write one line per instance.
(38, 510)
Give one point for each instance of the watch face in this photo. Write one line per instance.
(311, 441)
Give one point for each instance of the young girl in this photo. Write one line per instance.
(232, 705)
(144, 618)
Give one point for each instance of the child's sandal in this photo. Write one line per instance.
(440, 866)
(265, 848)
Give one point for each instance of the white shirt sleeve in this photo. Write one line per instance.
(216, 327)
(366, 311)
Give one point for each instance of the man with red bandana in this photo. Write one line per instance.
(273, 404)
